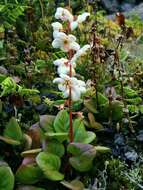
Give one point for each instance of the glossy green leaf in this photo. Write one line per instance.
(13, 130)
(59, 136)
(6, 177)
(90, 105)
(50, 164)
(83, 155)
(31, 152)
(73, 185)
(55, 147)
(116, 108)
(93, 123)
(25, 187)
(61, 123)
(130, 93)
(9, 140)
(46, 122)
(101, 99)
(80, 133)
(28, 174)
(102, 149)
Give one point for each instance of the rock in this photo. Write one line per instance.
(42, 109)
(137, 10)
(3, 70)
(140, 136)
(126, 7)
(131, 155)
(110, 5)
(119, 139)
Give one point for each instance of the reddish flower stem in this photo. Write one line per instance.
(70, 102)
(71, 134)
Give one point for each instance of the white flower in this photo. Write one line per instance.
(81, 52)
(65, 83)
(65, 42)
(57, 27)
(73, 25)
(64, 66)
(63, 14)
(81, 18)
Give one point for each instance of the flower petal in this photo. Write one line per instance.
(56, 43)
(73, 25)
(75, 46)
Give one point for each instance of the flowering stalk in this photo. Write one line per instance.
(70, 102)
(71, 87)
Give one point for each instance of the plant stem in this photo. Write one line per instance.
(42, 8)
(69, 4)
(70, 92)
(70, 103)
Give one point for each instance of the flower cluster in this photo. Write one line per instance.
(67, 83)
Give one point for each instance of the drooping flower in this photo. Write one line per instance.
(65, 83)
(63, 14)
(64, 66)
(81, 18)
(65, 42)
(57, 27)
(81, 52)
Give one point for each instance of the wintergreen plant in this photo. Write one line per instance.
(71, 87)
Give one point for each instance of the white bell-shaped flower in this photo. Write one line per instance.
(57, 27)
(64, 66)
(65, 42)
(65, 83)
(81, 52)
(81, 18)
(63, 14)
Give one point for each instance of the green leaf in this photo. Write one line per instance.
(93, 123)
(117, 110)
(8, 86)
(133, 108)
(29, 188)
(130, 93)
(28, 174)
(47, 122)
(55, 147)
(13, 130)
(101, 99)
(102, 149)
(9, 140)
(134, 101)
(90, 105)
(61, 123)
(90, 137)
(31, 152)
(80, 133)
(6, 177)
(50, 164)
(73, 185)
(83, 155)
(59, 136)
